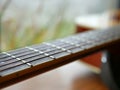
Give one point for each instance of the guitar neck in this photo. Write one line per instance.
(23, 63)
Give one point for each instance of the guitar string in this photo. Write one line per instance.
(25, 53)
(22, 50)
(25, 56)
(4, 67)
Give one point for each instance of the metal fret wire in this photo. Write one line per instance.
(23, 61)
(58, 47)
(7, 67)
(41, 53)
(8, 62)
(49, 49)
(42, 48)
(19, 55)
(19, 51)
(63, 49)
(76, 45)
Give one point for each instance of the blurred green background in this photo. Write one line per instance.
(28, 22)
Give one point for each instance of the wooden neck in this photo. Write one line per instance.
(23, 63)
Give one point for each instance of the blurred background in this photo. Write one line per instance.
(27, 22)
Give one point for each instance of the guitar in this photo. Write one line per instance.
(23, 63)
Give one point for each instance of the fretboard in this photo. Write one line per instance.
(20, 64)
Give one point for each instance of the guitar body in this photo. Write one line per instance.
(110, 67)
(108, 62)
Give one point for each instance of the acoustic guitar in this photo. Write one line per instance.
(23, 63)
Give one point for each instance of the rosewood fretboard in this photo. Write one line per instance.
(20, 64)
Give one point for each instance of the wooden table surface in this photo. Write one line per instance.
(73, 76)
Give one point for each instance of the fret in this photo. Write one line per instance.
(43, 46)
(37, 60)
(41, 61)
(75, 42)
(48, 59)
(18, 52)
(17, 55)
(72, 48)
(78, 39)
(96, 41)
(42, 56)
(58, 47)
(61, 54)
(23, 61)
(12, 60)
(46, 49)
(72, 43)
(79, 45)
(91, 40)
(29, 58)
(84, 44)
(41, 52)
(81, 41)
(23, 57)
(57, 55)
